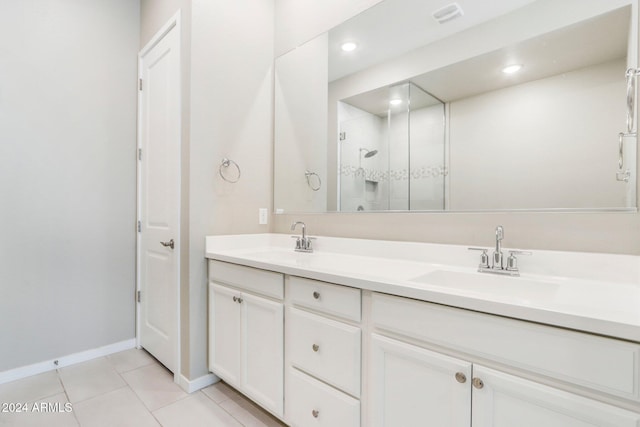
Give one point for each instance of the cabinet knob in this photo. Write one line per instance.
(239, 300)
(315, 413)
(315, 347)
(316, 295)
(478, 383)
(461, 378)
(235, 299)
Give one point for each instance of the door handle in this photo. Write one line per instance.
(170, 244)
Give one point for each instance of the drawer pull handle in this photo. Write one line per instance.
(461, 378)
(315, 347)
(478, 383)
(315, 413)
(316, 295)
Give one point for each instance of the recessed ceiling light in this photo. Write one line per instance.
(395, 101)
(348, 46)
(510, 69)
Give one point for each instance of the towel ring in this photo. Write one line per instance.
(226, 163)
(308, 174)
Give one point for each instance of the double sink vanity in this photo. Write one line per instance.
(356, 332)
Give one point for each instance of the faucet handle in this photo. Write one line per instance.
(519, 252)
(307, 243)
(298, 242)
(512, 261)
(484, 257)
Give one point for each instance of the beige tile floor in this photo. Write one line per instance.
(125, 389)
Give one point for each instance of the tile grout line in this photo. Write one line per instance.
(222, 407)
(64, 389)
(126, 385)
(143, 404)
(239, 397)
(140, 399)
(152, 361)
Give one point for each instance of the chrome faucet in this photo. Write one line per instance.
(497, 254)
(303, 243)
(497, 260)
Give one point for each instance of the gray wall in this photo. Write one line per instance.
(231, 116)
(67, 176)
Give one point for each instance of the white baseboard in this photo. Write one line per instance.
(199, 383)
(61, 362)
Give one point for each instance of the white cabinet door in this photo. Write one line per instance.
(412, 386)
(224, 333)
(263, 351)
(506, 401)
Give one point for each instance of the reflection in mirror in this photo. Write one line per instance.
(543, 137)
(301, 129)
(391, 150)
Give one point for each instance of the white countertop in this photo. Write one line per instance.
(597, 293)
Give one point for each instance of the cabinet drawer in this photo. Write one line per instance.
(603, 364)
(262, 282)
(324, 348)
(312, 403)
(336, 300)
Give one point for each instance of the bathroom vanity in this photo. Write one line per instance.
(378, 333)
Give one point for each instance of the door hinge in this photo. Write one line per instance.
(343, 136)
(139, 153)
(139, 226)
(138, 296)
(139, 84)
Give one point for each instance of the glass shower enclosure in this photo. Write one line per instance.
(392, 151)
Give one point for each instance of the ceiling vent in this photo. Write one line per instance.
(448, 13)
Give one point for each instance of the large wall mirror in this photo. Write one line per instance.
(502, 105)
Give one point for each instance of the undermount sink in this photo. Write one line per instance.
(487, 283)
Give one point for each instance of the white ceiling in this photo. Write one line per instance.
(586, 43)
(382, 29)
(594, 41)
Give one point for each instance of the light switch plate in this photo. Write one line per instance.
(263, 216)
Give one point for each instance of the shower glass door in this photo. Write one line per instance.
(392, 150)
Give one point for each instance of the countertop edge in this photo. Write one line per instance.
(593, 325)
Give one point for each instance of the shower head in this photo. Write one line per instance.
(368, 153)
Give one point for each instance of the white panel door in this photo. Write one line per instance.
(412, 386)
(159, 198)
(263, 351)
(503, 400)
(224, 333)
